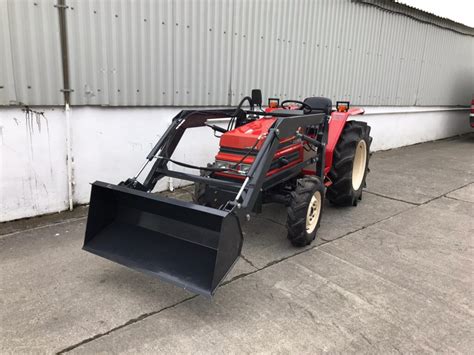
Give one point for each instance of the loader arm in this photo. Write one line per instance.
(281, 129)
(247, 192)
(190, 245)
(170, 140)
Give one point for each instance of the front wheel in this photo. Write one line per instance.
(305, 210)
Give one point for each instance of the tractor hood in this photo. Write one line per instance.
(245, 136)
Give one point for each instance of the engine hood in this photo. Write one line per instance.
(245, 136)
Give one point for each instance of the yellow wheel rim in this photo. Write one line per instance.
(360, 162)
(313, 213)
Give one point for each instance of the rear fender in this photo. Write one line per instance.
(336, 125)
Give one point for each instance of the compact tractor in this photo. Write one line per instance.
(296, 153)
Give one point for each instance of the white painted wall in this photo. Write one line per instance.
(394, 127)
(32, 163)
(110, 144)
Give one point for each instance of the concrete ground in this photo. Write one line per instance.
(394, 274)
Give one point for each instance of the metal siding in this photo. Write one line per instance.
(210, 52)
(7, 86)
(410, 62)
(447, 74)
(202, 51)
(347, 51)
(400, 7)
(35, 52)
(121, 52)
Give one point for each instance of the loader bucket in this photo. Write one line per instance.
(189, 245)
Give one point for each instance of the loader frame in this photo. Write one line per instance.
(195, 244)
(288, 124)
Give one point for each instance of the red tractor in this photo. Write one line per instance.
(294, 152)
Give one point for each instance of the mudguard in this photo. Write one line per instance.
(336, 125)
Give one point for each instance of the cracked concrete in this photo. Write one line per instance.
(392, 275)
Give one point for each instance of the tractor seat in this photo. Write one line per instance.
(319, 104)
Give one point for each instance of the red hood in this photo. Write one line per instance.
(244, 137)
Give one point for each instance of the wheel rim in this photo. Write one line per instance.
(314, 210)
(360, 161)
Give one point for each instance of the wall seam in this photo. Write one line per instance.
(231, 64)
(11, 56)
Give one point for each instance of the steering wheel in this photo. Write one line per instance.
(302, 105)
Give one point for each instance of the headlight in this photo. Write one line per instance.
(241, 169)
(245, 168)
(222, 164)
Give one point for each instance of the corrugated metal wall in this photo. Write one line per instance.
(212, 52)
(30, 53)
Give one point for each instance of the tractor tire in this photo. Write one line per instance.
(305, 210)
(350, 164)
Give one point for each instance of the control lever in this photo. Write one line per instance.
(215, 128)
(308, 139)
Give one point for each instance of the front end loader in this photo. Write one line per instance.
(295, 153)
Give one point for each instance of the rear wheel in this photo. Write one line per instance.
(305, 210)
(350, 164)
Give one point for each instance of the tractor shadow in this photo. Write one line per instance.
(265, 240)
